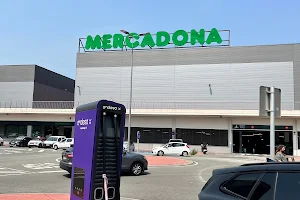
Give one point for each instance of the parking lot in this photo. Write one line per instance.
(24, 170)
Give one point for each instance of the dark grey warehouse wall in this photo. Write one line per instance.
(16, 85)
(50, 86)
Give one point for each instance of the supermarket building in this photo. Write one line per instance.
(203, 95)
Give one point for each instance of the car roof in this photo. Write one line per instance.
(267, 166)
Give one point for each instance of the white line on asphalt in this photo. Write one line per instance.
(41, 150)
(29, 149)
(12, 172)
(12, 151)
(58, 159)
(207, 168)
(49, 172)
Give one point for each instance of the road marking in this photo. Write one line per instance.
(49, 172)
(29, 149)
(205, 169)
(41, 150)
(12, 151)
(58, 159)
(41, 166)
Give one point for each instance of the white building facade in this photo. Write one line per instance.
(194, 80)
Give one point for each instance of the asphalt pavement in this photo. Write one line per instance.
(24, 170)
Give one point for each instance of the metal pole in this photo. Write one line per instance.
(272, 123)
(130, 100)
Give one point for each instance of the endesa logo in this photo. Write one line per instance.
(111, 108)
(83, 123)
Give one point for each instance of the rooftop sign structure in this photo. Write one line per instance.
(161, 39)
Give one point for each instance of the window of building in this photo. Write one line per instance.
(203, 136)
(288, 184)
(149, 135)
(242, 184)
(265, 188)
(14, 131)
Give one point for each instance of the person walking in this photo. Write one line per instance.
(280, 155)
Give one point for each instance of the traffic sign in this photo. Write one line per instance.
(138, 134)
(265, 101)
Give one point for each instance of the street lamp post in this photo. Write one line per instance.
(130, 98)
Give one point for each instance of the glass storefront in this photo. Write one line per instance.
(150, 135)
(211, 137)
(255, 139)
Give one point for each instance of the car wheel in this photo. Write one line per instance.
(185, 153)
(55, 147)
(136, 168)
(160, 153)
(40, 146)
(21, 145)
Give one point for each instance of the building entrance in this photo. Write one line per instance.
(257, 141)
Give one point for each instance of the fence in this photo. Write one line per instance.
(199, 105)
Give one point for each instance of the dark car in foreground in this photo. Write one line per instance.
(259, 181)
(134, 163)
(21, 141)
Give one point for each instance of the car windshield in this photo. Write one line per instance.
(70, 149)
(52, 139)
(19, 138)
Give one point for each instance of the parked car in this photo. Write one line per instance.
(175, 140)
(172, 148)
(36, 142)
(134, 163)
(1, 142)
(131, 147)
(21, 141)
(271, 180)
(53, 139)
(64, 144)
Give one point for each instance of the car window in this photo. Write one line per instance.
(265, 188)
(242, 184)
(70, 149)
(69, 140)
(19, 138)
(288, 184)
(177, 144)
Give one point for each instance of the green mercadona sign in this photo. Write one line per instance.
(160, 39)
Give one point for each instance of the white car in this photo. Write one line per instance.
(53, 139)
(37, 142)
(64, 144)
(1, 142)
(172, 148)
(125, 146)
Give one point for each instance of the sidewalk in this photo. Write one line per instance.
(261, 157)
(41, 197)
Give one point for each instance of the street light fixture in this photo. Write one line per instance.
(130, 100)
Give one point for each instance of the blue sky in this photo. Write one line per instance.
(46, 32)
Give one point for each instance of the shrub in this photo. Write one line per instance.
(194, 152)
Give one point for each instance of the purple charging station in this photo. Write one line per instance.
(98, 148)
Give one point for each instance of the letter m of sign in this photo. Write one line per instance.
(92, 43)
